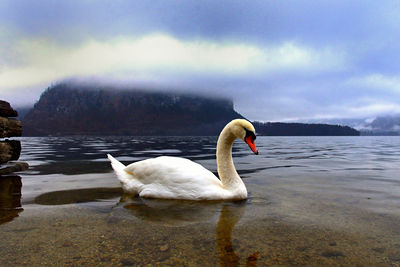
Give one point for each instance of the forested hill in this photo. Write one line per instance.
(71, 109)
(303, 129)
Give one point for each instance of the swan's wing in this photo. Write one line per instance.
(170, 169)
(172, 177)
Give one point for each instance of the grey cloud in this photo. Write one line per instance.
(273, 21)
(365, 31)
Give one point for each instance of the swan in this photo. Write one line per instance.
(180, 178)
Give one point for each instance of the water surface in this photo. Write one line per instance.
(313, 201)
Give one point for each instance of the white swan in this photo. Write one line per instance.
(179, 178)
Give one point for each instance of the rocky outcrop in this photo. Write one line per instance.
(10, 198)
(9, 126)
(6, 110)
(10, 150)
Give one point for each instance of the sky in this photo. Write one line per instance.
(277, 60)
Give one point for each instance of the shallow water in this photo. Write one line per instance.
(313, 201)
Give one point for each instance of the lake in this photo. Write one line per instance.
(312, 201)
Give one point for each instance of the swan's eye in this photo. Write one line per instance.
(249, 139)
(250, 135)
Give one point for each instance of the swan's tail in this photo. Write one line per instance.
(119, 169)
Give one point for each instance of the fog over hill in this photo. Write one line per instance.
(381, 125)
(71, 108)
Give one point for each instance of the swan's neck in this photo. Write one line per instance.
(226, 169)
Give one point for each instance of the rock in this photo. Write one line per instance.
(6, 110)
(10, 198)
(329, 253)
(10, 127)
(9, 150)
(13, 167)
(164, 248)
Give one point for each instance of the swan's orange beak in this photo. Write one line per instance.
(250, 141)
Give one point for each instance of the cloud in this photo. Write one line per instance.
(157, 54)
(45, 60)
(278, 60)
(377, 81)
(375, 108)
(365, 107)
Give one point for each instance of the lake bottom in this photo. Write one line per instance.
(313, 201)
(126, 231)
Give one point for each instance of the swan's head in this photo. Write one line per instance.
(244, 130)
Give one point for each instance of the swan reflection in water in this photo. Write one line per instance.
(173, 213)
(180, 212)
(10, 198)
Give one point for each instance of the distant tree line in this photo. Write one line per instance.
(303, 129)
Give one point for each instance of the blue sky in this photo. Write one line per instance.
(278, 60)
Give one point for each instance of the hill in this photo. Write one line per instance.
(303, 129)
(383, 125)
(83, 109)
(73, 109)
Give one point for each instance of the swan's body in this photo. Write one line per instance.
(180, 178)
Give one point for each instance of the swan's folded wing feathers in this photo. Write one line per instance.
(171, 171)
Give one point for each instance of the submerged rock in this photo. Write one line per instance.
(10, 149)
